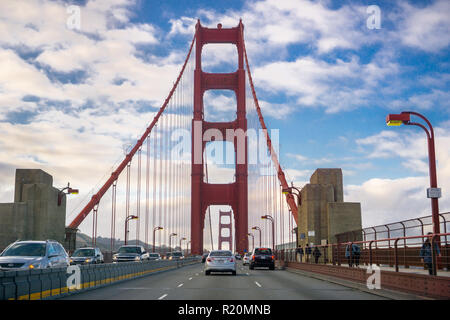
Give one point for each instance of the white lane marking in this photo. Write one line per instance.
(196, 274)
(190, 278)
(247, 274)
(180, 285)
(258, 284)
(162, 297)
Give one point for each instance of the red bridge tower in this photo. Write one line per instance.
(206, 194)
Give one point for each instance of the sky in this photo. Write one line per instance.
(325, 72)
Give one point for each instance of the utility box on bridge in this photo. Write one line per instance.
(35, 213)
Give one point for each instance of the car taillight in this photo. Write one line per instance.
(231, 260)
(253, 257)
(273, 257)
(209, 260)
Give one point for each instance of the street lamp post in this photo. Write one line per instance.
(170, 240)
(290, 190)
(253, 239)
(66, 190)
(154, 231)
(259, 229)
(187, 246)
(433, 192)
(180, 243)
(126, 226)
(273, 229)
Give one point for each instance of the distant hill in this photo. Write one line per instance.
(104, 244)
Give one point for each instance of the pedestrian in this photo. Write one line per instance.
(300, 254)
(316, 253)
(348, 255)
(356, 254)
(427, 256)
(308, 252)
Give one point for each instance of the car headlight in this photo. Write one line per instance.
(70, 260)
(88, 260)
(34, 265)
(115, 257)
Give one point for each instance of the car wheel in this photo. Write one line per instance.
(251, 267)
(272, 267)
(207, 273)
(234, 273)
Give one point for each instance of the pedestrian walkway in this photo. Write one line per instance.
(411, 269)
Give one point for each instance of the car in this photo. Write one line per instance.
(220, 261)
(176, 255)
(262, 257)
(204, 257)
(31, 254)
(87, 255)
(246, 259)
(129, 253)
(238, 256)
(154, 256)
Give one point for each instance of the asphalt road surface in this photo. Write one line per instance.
(190, 283)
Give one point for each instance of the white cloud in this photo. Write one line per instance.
(426, 28)
(390, 200)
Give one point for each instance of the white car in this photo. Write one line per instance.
(220, 261)
(246, 259)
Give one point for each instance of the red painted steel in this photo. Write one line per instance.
(96, 198)
(281, 177)
(224, 226)
(205, 194)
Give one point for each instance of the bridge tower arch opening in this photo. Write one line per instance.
(204, 194)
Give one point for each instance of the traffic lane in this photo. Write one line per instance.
(262, 284)
(285, 285)
(220, 286)
(151, 287)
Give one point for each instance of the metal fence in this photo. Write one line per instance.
(400, 252)
(406, 228)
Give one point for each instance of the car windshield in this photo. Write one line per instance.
(129, 250)
(220, 254)
(263, 251)
(154, 255)
(83, 253)
(25, 250)
(177, 254)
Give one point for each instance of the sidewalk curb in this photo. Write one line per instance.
(385, 293)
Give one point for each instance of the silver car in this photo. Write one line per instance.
(25, 255)
(154, 256)
(220, 261)
(130, 253)
(88, 255)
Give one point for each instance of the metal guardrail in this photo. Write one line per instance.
(392, 252)
(52, 283)
(404, 228)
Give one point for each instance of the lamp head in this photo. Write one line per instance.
(397, 119)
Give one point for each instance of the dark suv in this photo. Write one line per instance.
(262, 257)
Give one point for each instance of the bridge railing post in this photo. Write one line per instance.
(396, 254)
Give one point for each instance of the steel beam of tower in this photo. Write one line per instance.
(205, 194)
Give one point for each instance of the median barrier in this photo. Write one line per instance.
(51, 283)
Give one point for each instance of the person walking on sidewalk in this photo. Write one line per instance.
(300, 254)
(316, 253)
(308, 252)
(427, 256)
